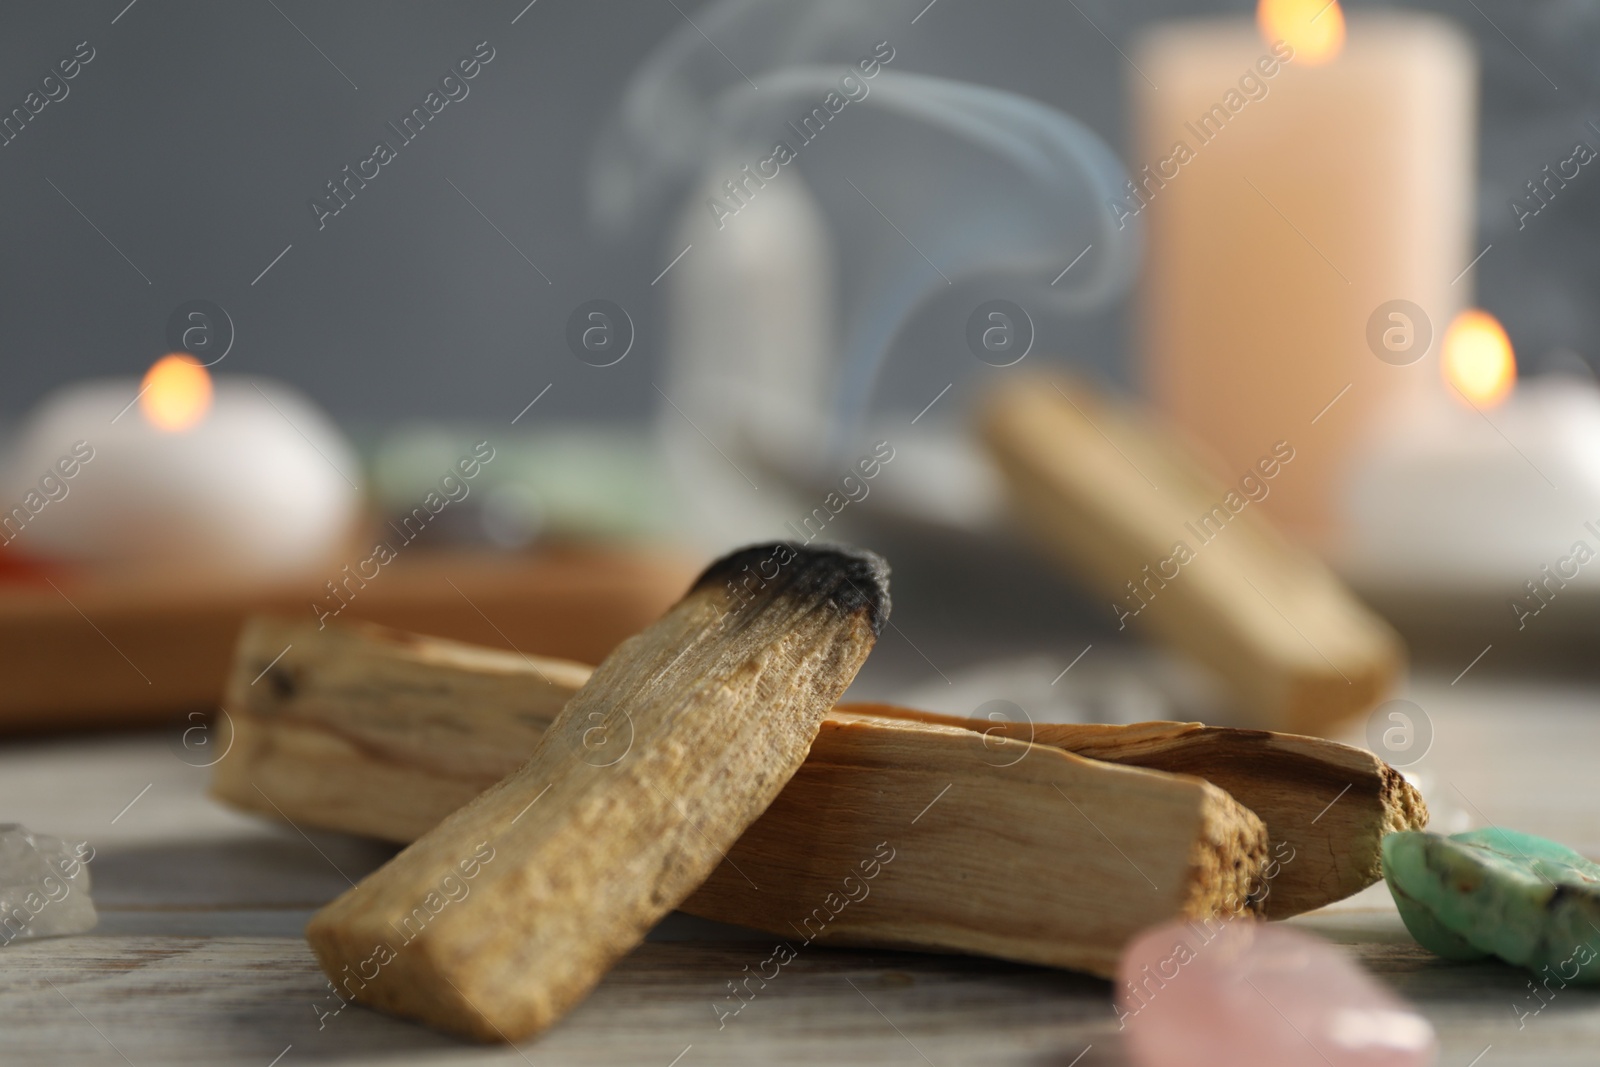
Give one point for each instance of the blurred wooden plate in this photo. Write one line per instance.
(128, 648)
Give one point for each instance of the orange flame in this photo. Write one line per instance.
(1478, 360)
(1313, 28)
(176, 393)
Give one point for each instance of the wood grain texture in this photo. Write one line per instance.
(203, 1001)
(354, 712)
(1332, 803)
(1039, 856)
(226, 998)
(1006, 849)
(1329, 803)
(370, 731)
(1109, 494)
(177, 974)
(490, 925)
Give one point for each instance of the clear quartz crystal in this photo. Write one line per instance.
(44, 885)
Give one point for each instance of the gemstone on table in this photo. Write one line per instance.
(1493, 892)
(44, 886)
(1243, 993)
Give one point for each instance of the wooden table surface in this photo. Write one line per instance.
(199, 959)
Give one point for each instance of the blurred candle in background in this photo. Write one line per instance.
(241, 477)
(1299, 176)
(1494, 494)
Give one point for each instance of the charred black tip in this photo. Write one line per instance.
(851, 579)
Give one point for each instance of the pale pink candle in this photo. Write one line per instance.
(1295, 187)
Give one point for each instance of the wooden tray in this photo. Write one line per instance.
(131, 648)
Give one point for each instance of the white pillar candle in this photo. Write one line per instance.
(246, 477)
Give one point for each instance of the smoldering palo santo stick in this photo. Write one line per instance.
(706, 714)
(1003, 848)
(378, 732)
(383, 733)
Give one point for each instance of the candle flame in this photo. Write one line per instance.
(176, 393)
(1313, 28)
(1478, 359)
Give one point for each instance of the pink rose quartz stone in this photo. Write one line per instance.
(1246, 994)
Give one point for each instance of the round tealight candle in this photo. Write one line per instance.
(1483, 491)
(239, 475)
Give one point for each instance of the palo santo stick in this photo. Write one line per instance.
(312, 741)
(1003, 848)
(1337, 800)
(492, 925)
(361, 728)
(1132, 514)
(1329, 803)
(372, 731)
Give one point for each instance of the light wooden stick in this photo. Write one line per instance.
(1330, 803)
(998, 847)
(1112, 498)
(495, 922)
(369, 731)
(1329, 797)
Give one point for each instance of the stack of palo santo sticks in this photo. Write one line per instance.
(553, 812)
(849, 825)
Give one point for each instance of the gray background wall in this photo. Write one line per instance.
(196, 136)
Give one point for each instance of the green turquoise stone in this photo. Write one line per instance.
(1494, 892)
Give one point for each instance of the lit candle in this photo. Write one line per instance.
(1497, 492)
(1297, 176)
(242, 476)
